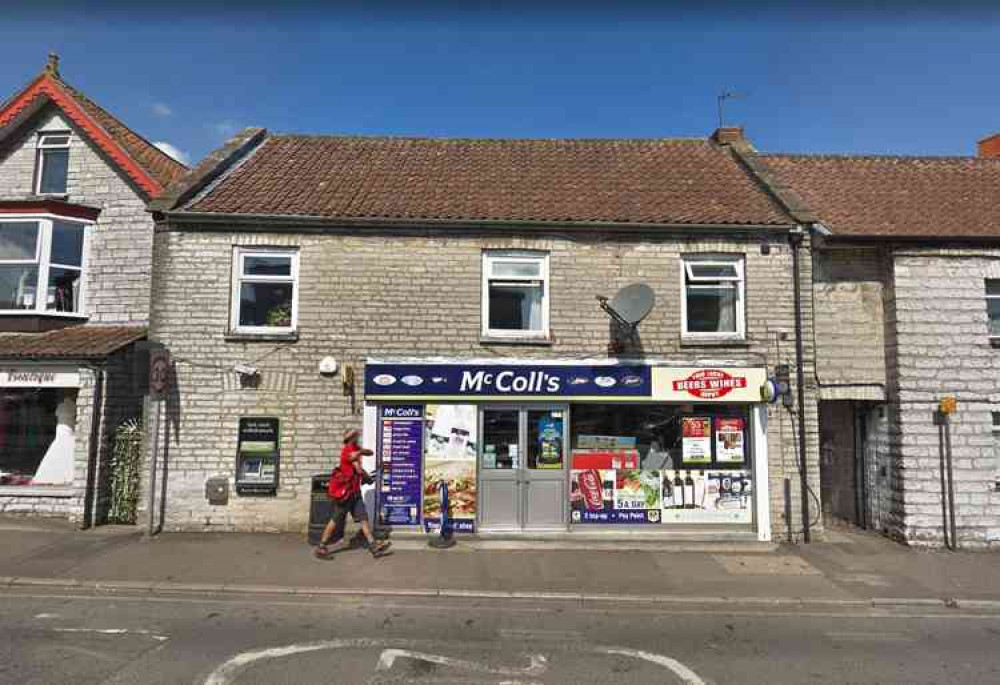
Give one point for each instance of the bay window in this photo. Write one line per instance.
(712, 298)
(265, 291)
(41, 265)
(515, 294)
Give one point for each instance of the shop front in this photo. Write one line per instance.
(570, 445)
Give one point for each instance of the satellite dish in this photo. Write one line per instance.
(633, 303)
(630, 305)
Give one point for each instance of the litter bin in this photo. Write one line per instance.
(320, 507)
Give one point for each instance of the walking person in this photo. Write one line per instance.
(345, 491)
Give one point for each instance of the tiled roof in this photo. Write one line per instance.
(883, 196)
(669, 181)
(74, 342)
(132, 154)
(157, 163)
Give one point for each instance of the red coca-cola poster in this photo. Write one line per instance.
(589, 481)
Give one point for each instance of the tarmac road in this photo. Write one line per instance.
(57, 636)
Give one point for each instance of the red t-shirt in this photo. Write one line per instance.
(347, 469)
(346, 455)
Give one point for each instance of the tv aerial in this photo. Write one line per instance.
(629, 306)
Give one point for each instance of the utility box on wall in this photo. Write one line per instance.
(257, 456)
(217, 490)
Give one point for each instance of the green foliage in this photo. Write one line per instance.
(125, 462)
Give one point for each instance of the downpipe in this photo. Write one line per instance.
(795, 240)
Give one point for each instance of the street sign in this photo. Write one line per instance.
(159, 373)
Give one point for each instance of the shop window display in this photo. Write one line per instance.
(660, 464)
(28, 433)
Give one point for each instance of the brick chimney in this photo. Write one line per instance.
(729, 135)
(990, 147)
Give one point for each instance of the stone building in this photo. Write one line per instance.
(443, 294)
(75, 253)
(906, 300)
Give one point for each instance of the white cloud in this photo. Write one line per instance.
(225, 128)
(181, 157)
(161, 109)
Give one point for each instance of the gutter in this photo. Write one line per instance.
(795, 239)
(230, 222)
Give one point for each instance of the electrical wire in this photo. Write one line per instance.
(798, 462)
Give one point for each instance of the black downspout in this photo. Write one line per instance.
(795, 239)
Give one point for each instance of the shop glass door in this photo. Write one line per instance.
(522, 468)
(499, 469)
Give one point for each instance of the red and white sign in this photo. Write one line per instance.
(710, 384)
(695, 384)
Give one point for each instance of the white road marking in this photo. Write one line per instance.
(393, 649)
(856, 636)
(111, 631)
(538, 666)
(688, 676)
(41, 616)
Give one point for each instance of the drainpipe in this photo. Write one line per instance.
(795, 240)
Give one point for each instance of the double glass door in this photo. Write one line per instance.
(522, 461)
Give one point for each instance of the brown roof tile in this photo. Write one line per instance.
(73, 342)
(620, 181)
(157, 163)
(883, 196)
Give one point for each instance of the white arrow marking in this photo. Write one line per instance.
(539, 664)
(677, 668)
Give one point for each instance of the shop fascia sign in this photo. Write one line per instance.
(34, 376)
(709, 384)
(392, 380)
(385, 380)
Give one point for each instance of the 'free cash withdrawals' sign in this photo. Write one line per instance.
(401, 450)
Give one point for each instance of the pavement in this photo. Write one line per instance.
(848, 568)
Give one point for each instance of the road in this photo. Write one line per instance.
(55, 637)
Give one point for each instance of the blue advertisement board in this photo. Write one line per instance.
(401, 452)
(507, 380)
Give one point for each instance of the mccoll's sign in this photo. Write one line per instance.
(624, 381)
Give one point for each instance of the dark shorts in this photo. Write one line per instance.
(354, 506)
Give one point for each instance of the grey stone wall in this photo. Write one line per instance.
(120, 245)
(940, 346)
(849, 325)
(371, 293)
(117, 287)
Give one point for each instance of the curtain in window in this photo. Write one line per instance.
(727, 311)
(531, 309)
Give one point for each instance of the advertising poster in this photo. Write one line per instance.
(614, 496)
(729, 434)
(707, 496)
(697, 439)
(450, 452)
(401, 451)
(550, 438)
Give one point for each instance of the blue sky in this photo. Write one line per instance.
(913, 78)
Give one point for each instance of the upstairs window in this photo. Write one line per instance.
(41, 265)
(265, 291)
(53, 163)
(515, 294)
(712, 301)
(993, 307)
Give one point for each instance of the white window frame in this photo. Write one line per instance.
(239, 255)
(739, 279)
(527, 257)
(989, 297)
(43, 258)
(41, 146)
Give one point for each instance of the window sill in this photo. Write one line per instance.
(495, 340)
(715, 342)
(238, 336)
(37, 491)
